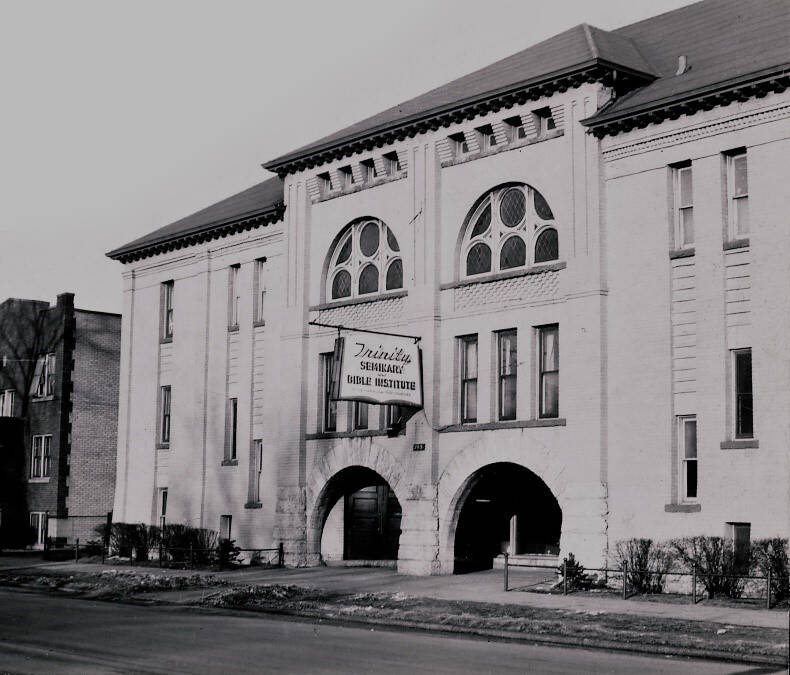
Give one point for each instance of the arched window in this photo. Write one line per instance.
(511, 227)
(365, 261)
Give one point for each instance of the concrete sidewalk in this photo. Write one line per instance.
(477, 587)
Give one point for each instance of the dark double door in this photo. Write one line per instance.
(372, 524)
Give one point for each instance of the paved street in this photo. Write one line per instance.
(49, 634)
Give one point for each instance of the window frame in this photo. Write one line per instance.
(465, 380)
(260, 290)
(165, 413)
(503, 379)
(545, 122)
(686, 461)
(459, 144)
(486, 137)
(41, 526)
(234, 296)
(361, 420)
(232, 445)
(392, 165)
(733, 199)
(739, 397)
(257, 469)
(41, 456)
(680, 207)
(368, 169)
(346, 175)
(515, 129)
(328, 421)
(7, 400)
(544, 373)
(168, 292)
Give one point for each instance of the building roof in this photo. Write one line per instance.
(256, 206)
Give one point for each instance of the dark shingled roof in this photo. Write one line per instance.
(259, 200)
(724, 41)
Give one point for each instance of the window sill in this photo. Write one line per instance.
(359, 433)
(163, 446)
(253, 505)
(233, 329)
(504, 147)
(258, 324)
(359, 301)
(165, 340)
(682, 508)
(45, 479)
(741, 444)
(515, 424)
(510, 274)
(230, 462)
(733, 244)
(682, 253)
(42, 399)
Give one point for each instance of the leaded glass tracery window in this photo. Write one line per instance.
(366, 260)
(513, 226)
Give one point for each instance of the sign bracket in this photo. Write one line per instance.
(340, 327)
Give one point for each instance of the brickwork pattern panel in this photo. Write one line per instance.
(516, 291)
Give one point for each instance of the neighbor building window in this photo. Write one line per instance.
(744, 411)
(233, 428)
(514, 129)
(687, 439)
(38, 527)
(361, 410)
(41, 457)
(234, 296)
(328, 406)
(369, 173)
(391, 163)
(257, 470)
(7, 403)
(44, 376)
(684, 205)
(164, 414)
(507, 372)
(737, 194)
(549, 371)
(544, 121)
(167, 310)
(468, 372)
(486, 137)
(260, 289)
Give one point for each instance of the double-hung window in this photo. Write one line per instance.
(744, 411)
(164, 414)
(260, 289)
(41, 457)
(257, 470)
(549, 372)
(328, 406)
(687, 439)
(468, 372)
(234, 296)
(507, 374)
(737, 194)
(684, 205)
(167, 310)
(7, 403)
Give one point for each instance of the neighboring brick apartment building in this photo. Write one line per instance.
(590, 238)
(59, 398)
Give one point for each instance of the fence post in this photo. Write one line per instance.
(76, 550)
(768, 591)
(565, 577)
(694, 583)
(103, 550)
(191, 564)
(280, 555)
(506, 570)
(625, 580)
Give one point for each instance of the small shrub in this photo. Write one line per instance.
(577, 579)
(771, 555)
(228, 552)
(648, 563)
(715, 561)
(178, 540)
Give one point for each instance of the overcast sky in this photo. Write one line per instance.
(118, 118)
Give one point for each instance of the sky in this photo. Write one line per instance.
(119, 118)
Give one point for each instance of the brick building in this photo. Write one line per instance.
(590, 240)
(59, 404)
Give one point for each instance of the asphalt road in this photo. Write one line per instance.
(54, 634)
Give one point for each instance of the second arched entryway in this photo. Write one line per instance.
(504, 507)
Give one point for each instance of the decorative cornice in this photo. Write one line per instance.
(597, 70)
(671, 109)
(207, 233)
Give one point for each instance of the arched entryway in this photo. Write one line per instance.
(504, 507)
(359, 517)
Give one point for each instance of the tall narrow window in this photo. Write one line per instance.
(167, 310)
(41, 457)
(508, 366)
(687, 438)
(162, 503)
(260, 289)
(234, 296)
(257, 470)
(46, 462)
(329, 407)
(468, 368)
(738, 194)
(744, 415)
(549, 375)
(361, 410)
(740, 535)
(684, 206)
(233, 427)
(7, 403)
(164, 414)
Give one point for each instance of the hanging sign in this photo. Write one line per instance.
(381, 369)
